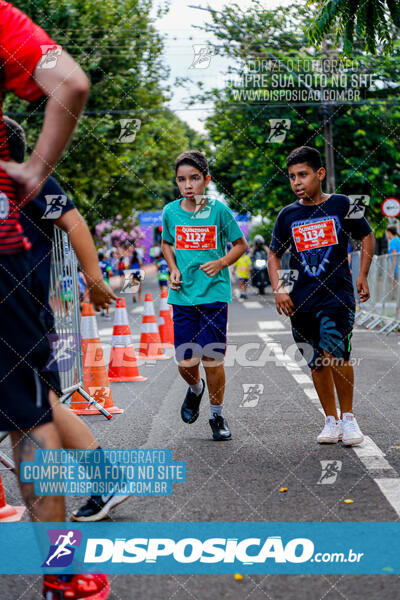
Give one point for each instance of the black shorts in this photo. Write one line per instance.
(24, 347)
(324, 329)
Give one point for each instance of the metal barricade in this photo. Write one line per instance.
(65, 301)
(381, 311)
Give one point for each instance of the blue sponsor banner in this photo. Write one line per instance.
(204, 548)
(150, 218)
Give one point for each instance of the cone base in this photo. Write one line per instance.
(10, 514)
(114, 410)
(125, 379)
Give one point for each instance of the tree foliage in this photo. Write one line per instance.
(372, 21)
(119, 48)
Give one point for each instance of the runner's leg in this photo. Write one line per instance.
(73, 432)
(41, 508)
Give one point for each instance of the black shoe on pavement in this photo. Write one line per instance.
(220, 428)
(97, 507)
(191, 404)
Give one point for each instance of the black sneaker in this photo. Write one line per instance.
(191, 404)
(220, 428)
(97, 507)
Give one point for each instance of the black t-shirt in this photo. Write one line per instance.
(38, 219)
(317, 237)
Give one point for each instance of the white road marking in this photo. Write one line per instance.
(302, 378)
(372, 456)
(268, 325)
(252, 305)
(390, 488)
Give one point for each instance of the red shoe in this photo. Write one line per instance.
(79, 587)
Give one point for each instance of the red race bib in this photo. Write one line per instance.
(188, 237)
(315, 235)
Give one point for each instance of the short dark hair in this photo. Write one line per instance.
(16, 139)
(195, 158)
(392, 229)
(305, 154)
(100, 255)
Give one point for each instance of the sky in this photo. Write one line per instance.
(179, 37)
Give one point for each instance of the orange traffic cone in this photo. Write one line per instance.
(165, 322)
(9, 513)
(95, 379)
(123, 363)
(150, 343)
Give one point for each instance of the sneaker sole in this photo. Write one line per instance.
(222, 439)
(102, 513)
(328, 441)
(353, 443)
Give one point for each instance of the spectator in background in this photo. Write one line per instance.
(136, 266)
(394, 248)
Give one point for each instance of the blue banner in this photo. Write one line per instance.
(208, 548)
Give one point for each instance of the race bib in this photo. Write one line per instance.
(315, 235)
(195, 237)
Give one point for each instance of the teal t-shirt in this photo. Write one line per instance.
(199, 237)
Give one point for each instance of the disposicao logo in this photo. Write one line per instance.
(63, 543)
(190, 550)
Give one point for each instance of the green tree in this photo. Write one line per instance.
(250, 169)
(371, 21)
(119, 48)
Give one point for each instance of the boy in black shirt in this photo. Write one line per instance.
(321, 303)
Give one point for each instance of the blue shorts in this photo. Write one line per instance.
(200, 330)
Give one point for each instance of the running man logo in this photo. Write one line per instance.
(203, 54)
(55, 204)
(50, 54)
(132, 281)
(63, 543)
(279, 129)
(4, 206)
(251, 394)
(64, 348)
(330, 471)
(129, 129)
(287, 279)
(357, 206)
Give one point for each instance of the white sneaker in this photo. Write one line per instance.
(331, 433)
(352, 434)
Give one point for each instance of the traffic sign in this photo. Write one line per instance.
(391, 207)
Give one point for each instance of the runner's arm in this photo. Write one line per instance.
(367, 253)
(283, 301)
(67, 87)
(213, 267)
(78, 232)
(175, 275)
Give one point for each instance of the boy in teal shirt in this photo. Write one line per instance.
(195, 232)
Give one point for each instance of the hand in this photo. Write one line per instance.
(29, 180)
(363, 288)
(175, 279)
(212, 267)
(284, 304)
(101, 295)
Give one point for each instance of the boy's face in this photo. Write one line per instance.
(305, 182)
(191, 182)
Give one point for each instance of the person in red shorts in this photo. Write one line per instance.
(32, 66)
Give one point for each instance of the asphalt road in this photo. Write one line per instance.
(273, 445)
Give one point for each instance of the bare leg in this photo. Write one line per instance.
(323, 382)
(190, 370)
(73, 432)
(41, 508)
(343, 376)
(215, 374)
